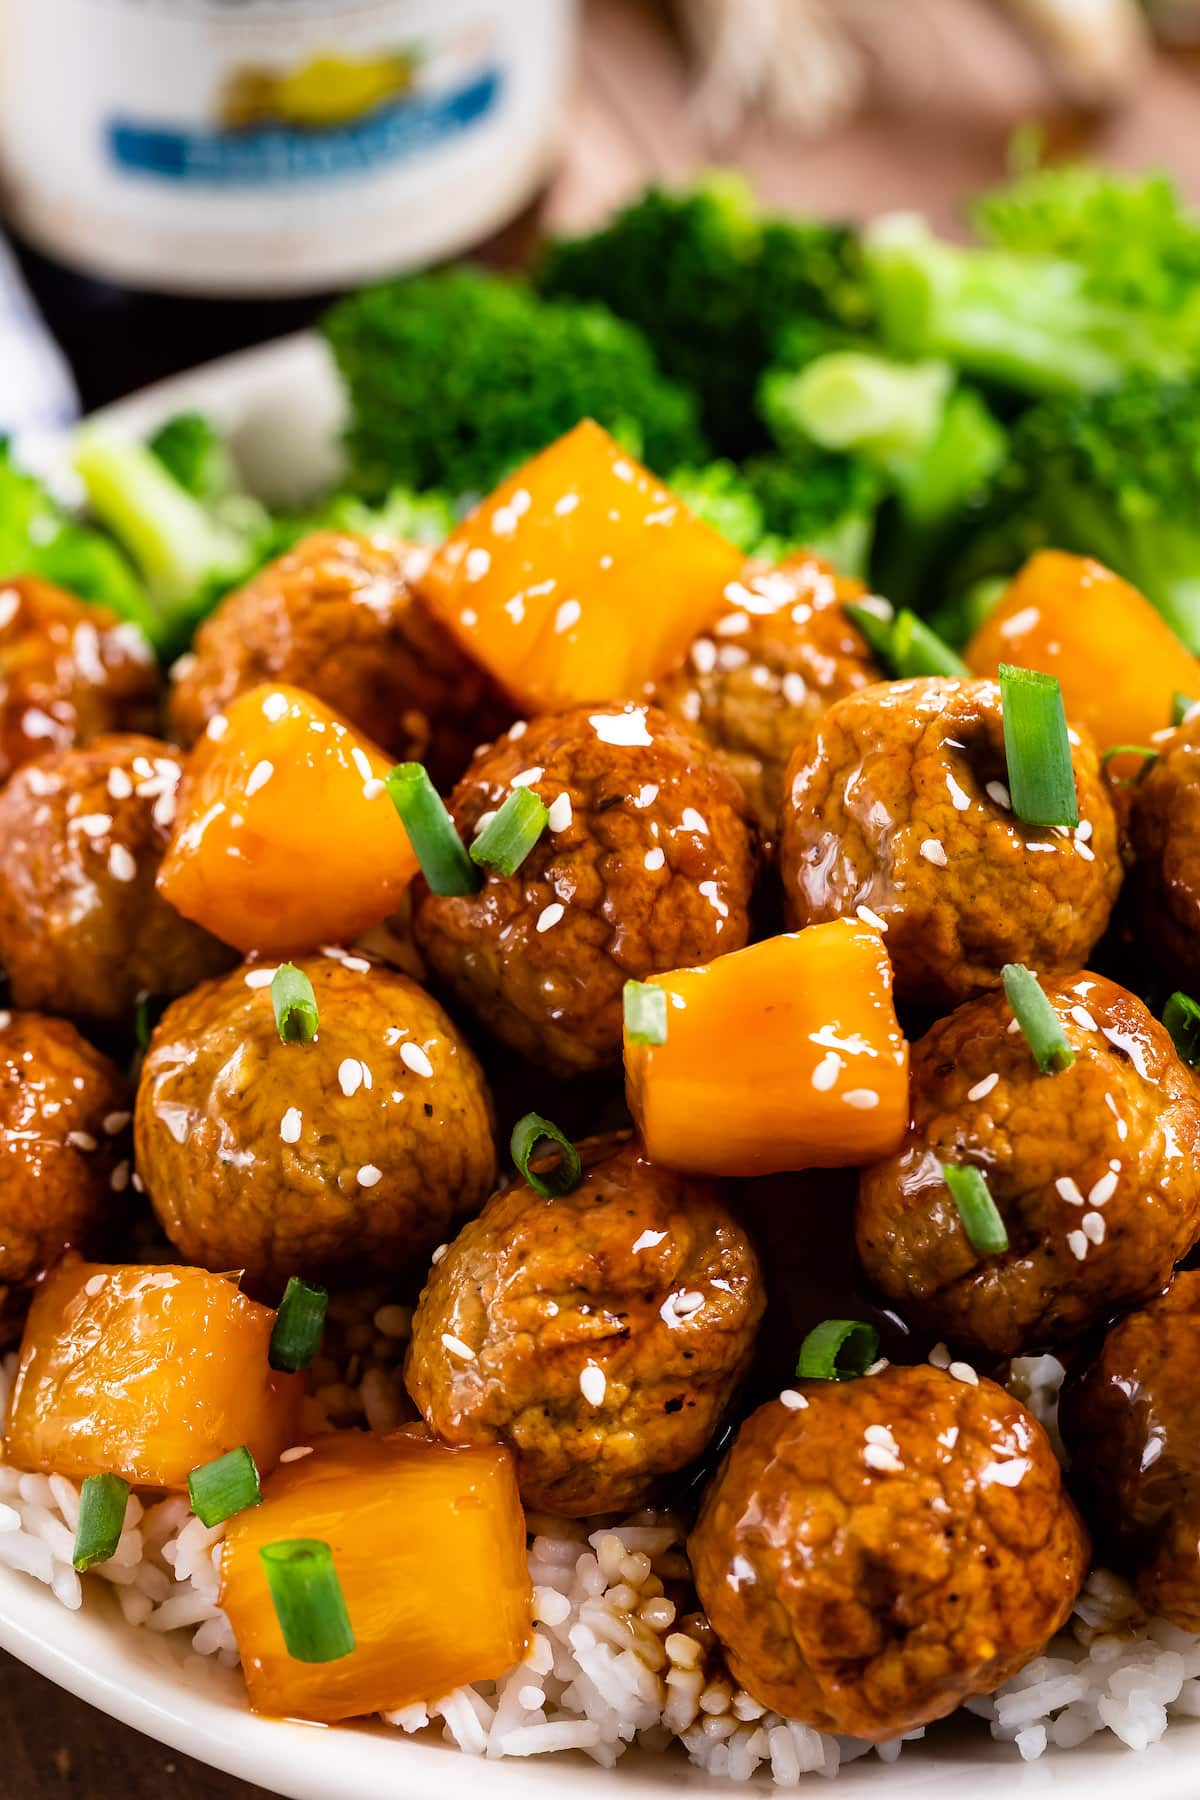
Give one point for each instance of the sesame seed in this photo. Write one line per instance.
(654, 859)
(81, 1140)
(1104, 1189)
(259, 978)
(704, 656)
(296, 1452)
(121, 865)
(732, 625)
(216, 728)
(5, 1019)
(1082, 1018)
(983, 1088)
(694, 821)
(934, 852)
(260, 774)
(119, 785)
(886, 1462)
(592, 1384)
(1068, 1189)
(1093, 1227)
(997, 791)
(647, 795)
(94, 825)
(1084, 850)
(826, 1072)
(962, 1371)
(559, 814)
(793, 1401)
(1077, 1244)
(566, 503)
(939, 1356)
(274, 707)
(368, 1175)
(358, 965)
(527, 777)
(867, 917)
(362, 762)
(114, 1122)
(438, 1254)
(289, 1125)
(795, 688)
(414, 1058)
(863, 1099)
(119, 1179)
(350, 1076)
(959, 798)
(550, 915)
(625, 729)
(568, 615)
(733, 656)
(881, 1434)
(456, 1347)
(479, 560)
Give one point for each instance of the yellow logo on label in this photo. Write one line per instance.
(326, 91)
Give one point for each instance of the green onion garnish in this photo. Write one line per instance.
(1038, 1020)
(227, 1485)
(296, 1016)
(1149, 758)
(431, 832)
(1041, 781)
(976, 1208)
(916, 650)
(565, 1177)
(511, 833)
(299, 1323)
(1181, 1016)
(308, 1599)
(876, 630)
(101, 1519)
(1181, 706)
(645, 1013)
(838, 1350)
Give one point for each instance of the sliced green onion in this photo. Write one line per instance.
(838, 1350)
(101, 1519)
(431, 831)
(645, 1012)
(916, 650)
(227, 1485)
(976, 1208)
(877, 631)
(1181, 1016)
(308, 1599)
(296, 1016)
(1149, 758)
(1181, 706)
(565, 1177)
(511, 833)
(1041, 781)
(299, 1324)
(1040, 1024)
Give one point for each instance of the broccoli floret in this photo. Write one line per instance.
(417, 518)
(455, 378)
(195, 451)
(1039, 323)
(712, 284)
(719, 494)
(1115, 476)
(37, 537)
(816, 501)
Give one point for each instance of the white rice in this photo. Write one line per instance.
(611, 1664)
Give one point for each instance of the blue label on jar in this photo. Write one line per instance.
(278, 153)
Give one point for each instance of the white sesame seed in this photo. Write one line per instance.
(593, 1384)
(646, 796)
(119, 1179)
(732, 625)
(1104, 1189)
(983, 1088)
(1082, 1018)
(216, 728)
(826, 1072)
(121, 865)
(1068, 1189)
(414, 1058)
(368, 1175)
(962, 1371)
(654, 859)
(934, 852)
(114, 1122)
(559, 814)
(550, 915)
(259, 978)
(793, 1401)
(362, 762)
(567, 616)
(881, 1434)
(1077, 1244)
(886, 1462)
(795, 688)
(867, 917)
(261, 773)
(479, 560)
(939, 1356)
(527, 777)
(119, 785)
(94, 825)
(438, 1254)
(274, 707)
(289, 1125)
(864, 1099)
(625, 729)
(296, 1453)
(997, 791)
(694, 821)
(358, 965)
(1093, 1227)
(350, 1076)
(1084, 850)
(704, 656)
(456, 1347)
(959, 798)
(81, 1140)
(733, 656)
(566, 503)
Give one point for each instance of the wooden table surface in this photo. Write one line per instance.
(930, 147)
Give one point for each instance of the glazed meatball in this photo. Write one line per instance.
(600, 1335)
(769, 666)
(67, 673)
(1095, 1172)
(63, 1113)
(647, 864)
(873, 1552)
(83, 930)
(896, 802)
(1131, 1421)
(351, 1155)
(337, 616)
(1165, 834)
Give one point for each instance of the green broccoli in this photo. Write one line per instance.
(712, 284)
(816, 501)
(37, 537)
(418, 518)
(1115, 476)
(193, 449)
(719, 494)
(454, 378)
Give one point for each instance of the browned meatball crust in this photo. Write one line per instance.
(1131, 1421)
(647, 864)
(1164, 829)
(1094, 1171)
(881, 1549)
(67, 672)
(336, 615)
(64, 1110)
(351, 1155)
(764, 672)
(83, 929)
(896, 801)
(600, 1335)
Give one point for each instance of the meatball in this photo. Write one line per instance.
(765, 671)
(351, 1155)
(648, 864)
(873, 1552)
(63, 1113)
(83, 930)
(1131, 1421)
(1094, 1171)
(599, 1335)
(337, 616)
(896, 802)
(67, 672)
(1164, 830)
